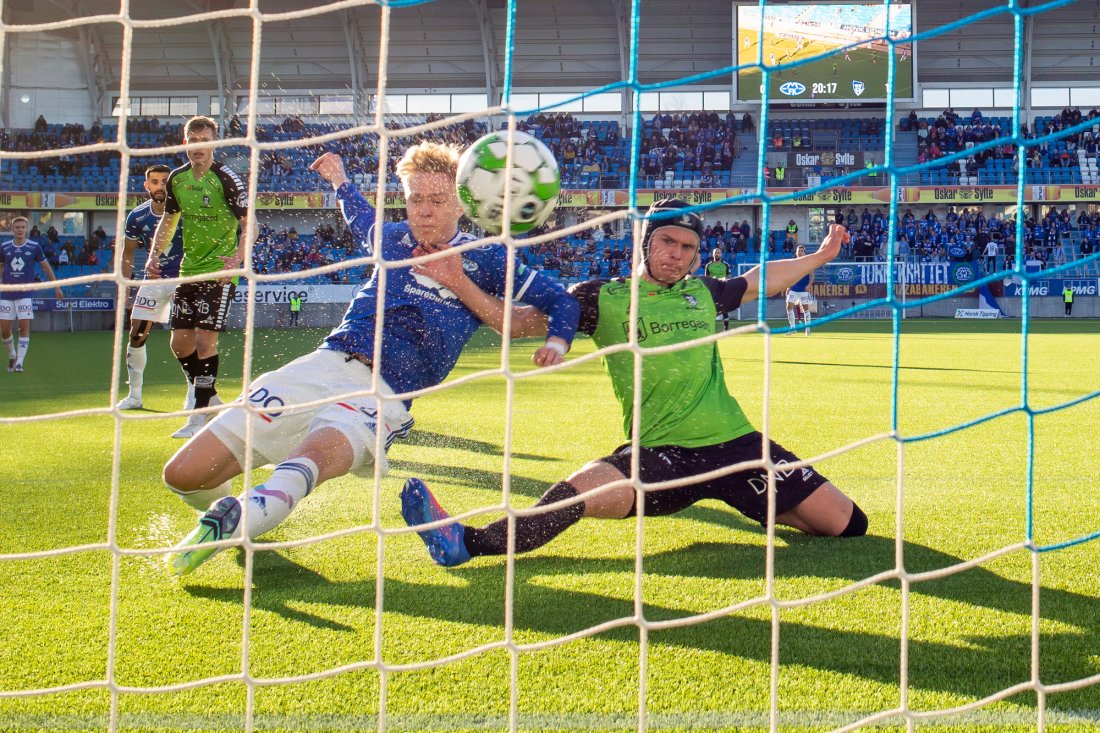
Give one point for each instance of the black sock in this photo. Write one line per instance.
(190, 364)
(204, 381)
(531, 532)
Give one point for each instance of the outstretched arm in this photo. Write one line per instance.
(357, 211)
(785, 273)
(527, 321)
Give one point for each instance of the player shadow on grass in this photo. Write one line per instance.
(474, 478)
(428, 439)
(973, 666)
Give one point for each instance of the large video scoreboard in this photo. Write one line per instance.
(839, 51)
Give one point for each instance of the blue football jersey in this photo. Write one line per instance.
(802, 285)
(425, 325)
(19, 260)
(141, 224)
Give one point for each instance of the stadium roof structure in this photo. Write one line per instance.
(459, 44)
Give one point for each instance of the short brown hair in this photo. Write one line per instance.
(200, 123)
(428, 157)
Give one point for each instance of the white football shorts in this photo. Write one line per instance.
(321, 375)
(21, 309)
(153, 302)
(799, 297)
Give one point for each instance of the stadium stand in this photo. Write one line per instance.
(1069, 160)
(684, 150)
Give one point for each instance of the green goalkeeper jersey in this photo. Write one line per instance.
(684, 397)
(210, 207)
(717, 269)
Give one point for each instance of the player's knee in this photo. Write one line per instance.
(857, 525)
(351, 437)
(180, 477)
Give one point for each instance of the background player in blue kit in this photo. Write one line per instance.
(799, 297)
(424, 329)
(153, 302)
(19, 256)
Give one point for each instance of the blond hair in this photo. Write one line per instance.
(200, 123)
(428, 157)
(23, 219)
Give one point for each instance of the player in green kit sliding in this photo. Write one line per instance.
(213, 204)
(690, 424)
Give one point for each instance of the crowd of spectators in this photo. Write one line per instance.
(701, 144)
(286, 250)
(143, 132)
(577, 145)
(62, 252)
(694, 143)
(950, 133)
(360, 152)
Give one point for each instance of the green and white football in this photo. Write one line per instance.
(535, 182)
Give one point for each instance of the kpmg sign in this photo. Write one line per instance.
(1052, 286)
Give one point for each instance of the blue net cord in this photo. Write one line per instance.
(894, 173)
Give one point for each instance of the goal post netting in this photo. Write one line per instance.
(343, 624)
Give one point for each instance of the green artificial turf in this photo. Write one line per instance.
(313, 606)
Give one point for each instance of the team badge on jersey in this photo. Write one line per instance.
(692, 301)
(206, 200)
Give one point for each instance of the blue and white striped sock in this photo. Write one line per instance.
(272, 501)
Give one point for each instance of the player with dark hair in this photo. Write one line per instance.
(690, 424)
(153, 302)
(19, 256)
(424, 325)
(213, 204)
(799, 296)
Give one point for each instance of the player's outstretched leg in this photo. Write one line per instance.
(445, 544)
(269, 504)
(220, 522)
(455, 544)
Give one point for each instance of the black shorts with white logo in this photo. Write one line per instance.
(746, 491)
(202, 305)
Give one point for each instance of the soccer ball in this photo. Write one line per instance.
(535, 182)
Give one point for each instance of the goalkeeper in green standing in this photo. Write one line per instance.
(719, 270)
(212, 201)
(690, 424)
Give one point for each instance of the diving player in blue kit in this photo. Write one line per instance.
(424, 328)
